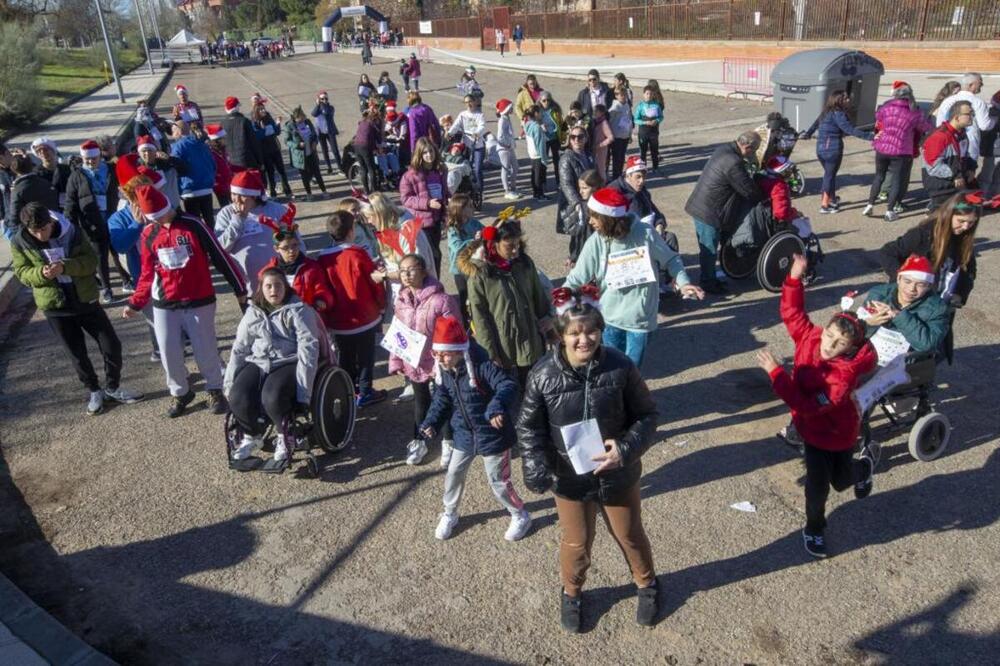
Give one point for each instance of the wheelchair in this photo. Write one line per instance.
(459, 164)
(909, 407)
(327, 426)
(352, 169)
(763, 246)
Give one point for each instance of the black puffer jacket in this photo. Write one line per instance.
(27, 189)
(242, 145)
(82, 208)
(572, 165)
(723, 190)
(614, 393)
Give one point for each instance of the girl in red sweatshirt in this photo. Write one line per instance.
(829, 364)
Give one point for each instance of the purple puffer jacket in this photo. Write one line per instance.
(421, 120)
(900, 128)
(415, 195)
(419, 311)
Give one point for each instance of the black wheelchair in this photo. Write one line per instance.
(763, 246)
(908, 408)
(328, 425)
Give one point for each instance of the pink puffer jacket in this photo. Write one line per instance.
(419, 311)
(900, 128)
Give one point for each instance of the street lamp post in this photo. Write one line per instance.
(111, 55)
(142, 33)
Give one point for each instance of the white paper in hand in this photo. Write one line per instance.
(402, 341)
(744, 506)
(583, 441)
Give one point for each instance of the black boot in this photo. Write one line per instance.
(570, 613)
(649, 605)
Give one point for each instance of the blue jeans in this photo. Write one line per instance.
(477, 166)
(630, 343)
(708, 250)
(831, 165)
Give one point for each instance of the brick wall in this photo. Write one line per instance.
(915, 56)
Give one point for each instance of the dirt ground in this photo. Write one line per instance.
(130, 528)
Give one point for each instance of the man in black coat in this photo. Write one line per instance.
(724, 189)
(242, 145)
(27, 187)
(50, 169)
(596, 92)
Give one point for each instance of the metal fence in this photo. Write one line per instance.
(771, 20)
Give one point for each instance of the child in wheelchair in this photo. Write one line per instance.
(829, 364)
(272, 367)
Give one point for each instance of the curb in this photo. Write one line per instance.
(42, 633)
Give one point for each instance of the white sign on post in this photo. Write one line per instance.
(958, 15)
(756, 18)
(425, 27)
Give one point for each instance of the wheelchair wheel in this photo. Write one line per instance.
(776, 259)
(354, 176)
(477, 198)
(233, 435)
(735, 264)
(333, 409)
(929, 436)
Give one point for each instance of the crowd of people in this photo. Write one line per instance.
(508, 360)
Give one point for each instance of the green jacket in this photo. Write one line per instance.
(509, 308)
(924, 324)
(80, 265)
(296, 146)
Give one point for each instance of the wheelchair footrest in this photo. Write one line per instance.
(251, 464)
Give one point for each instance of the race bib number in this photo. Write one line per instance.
(434, 189)
(189, 114)
(889, 344)
(402, 341)
(54, 255)
(173, 258)
(252, 227)
(102, 201)
(628, 268)
(650, 113)
(583, 441)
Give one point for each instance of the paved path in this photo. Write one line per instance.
(168, 557)
(97, 114)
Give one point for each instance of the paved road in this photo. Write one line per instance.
(149, 548)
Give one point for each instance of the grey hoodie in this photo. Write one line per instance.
(290, 334)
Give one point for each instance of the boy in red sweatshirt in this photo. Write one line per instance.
(829, 364)
(774, 184)
(360, 304)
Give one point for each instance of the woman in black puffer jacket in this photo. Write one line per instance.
(581, 380)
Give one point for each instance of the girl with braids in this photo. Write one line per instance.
(829, 364)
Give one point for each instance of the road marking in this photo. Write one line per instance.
(570, 68)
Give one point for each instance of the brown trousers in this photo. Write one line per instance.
(578, 520)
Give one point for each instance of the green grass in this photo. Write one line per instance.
(68, 73)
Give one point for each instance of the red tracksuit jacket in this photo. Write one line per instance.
(819, 391)
(175, 271)
(360, 300)
(310, 283)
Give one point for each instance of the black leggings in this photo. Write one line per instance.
(93, 321)
(328, 142)
(618, 149)
(421, 403)
(201, 207)
(433, 234)
(553, 146)
(368, 169)
(357, 357)
(824, 469)
(274, 162)
(649, 140)
(898, 168)
(310, 171)
(462, 284)
(255, 394)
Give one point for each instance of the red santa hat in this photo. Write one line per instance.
(899, 84)
(158, 180)
(152, 203)
(609, 201)
(634, 163)
(450, 336)
(145, 142)
(391, 104)
(918, 268)
(127, 168)
(90, 148)
(232, 104)
(778, 164)
(249, 183)
(504, 105)
(214, 132)
(179, 89)
(391, 115)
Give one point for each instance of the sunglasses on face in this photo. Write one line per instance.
(592, 80)
(577, 137)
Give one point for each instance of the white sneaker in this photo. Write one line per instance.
(868, 210)
(890, 216)
(446, 523)
(447, 446)
(407, 394)
(95, 405)
(280, 448)
(511, 196)
(247, 446)
(519, 526)
(123, 395)
(415, 451)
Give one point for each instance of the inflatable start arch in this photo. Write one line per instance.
(346, 12)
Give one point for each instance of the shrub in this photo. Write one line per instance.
(20, 95)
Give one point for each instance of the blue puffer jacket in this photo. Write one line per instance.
(124, 232)
(200, 177)
(833, 126)
(471, 408)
